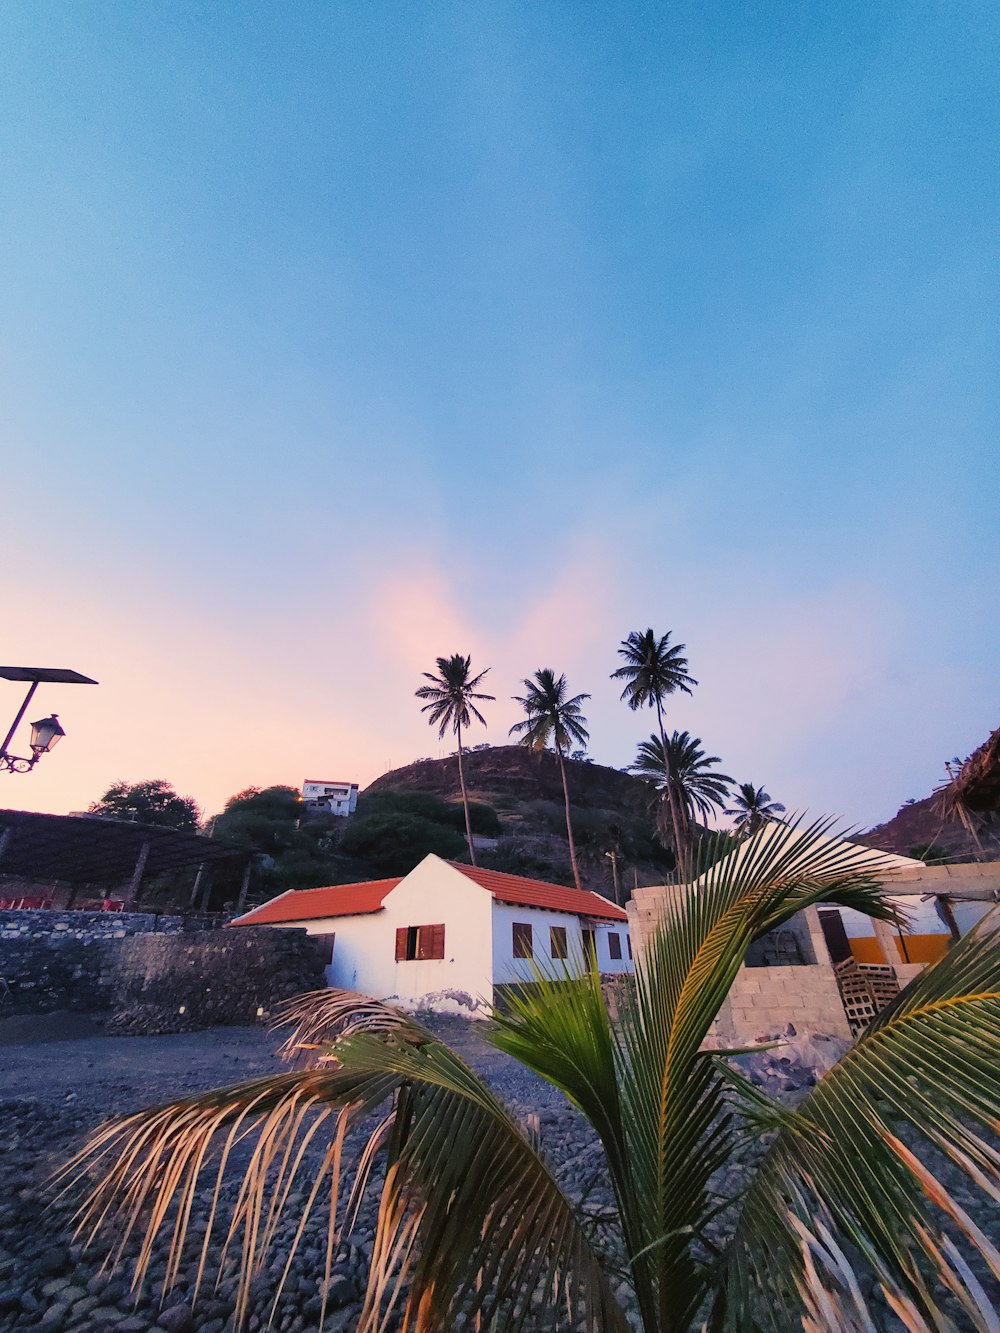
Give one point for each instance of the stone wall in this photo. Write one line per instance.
(175, 983)
(152, 973)
(66, 960)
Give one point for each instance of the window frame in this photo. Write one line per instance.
(420, 944)
(518, 931)
(560, 934)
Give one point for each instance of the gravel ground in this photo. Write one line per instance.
(61, 1076)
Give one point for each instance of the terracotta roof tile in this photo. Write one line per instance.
(537, 893)
(310, 904)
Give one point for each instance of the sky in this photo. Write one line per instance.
(337, 337)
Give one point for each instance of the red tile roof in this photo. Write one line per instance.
(358, 899)
(537, 893)
(310, 904)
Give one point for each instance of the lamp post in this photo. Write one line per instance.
(46, 732)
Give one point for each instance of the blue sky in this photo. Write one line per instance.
(340, 336)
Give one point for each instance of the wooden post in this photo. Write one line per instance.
(244, 887)
(206, 893)
(197, 885)
(133, 889)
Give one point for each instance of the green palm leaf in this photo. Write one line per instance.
(866, 1150)
(471, 1221)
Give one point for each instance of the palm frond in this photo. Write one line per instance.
(471, 1222)
(867, 1150)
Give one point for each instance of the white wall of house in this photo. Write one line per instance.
(507, 969)
(364, 950)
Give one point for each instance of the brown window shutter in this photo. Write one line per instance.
(401, 944)
(614, 944)
(437, 942)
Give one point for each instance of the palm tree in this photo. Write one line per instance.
(473, 1229)
(451, 693)
(752, 808)
(680, 770)
(553, 717)
(654, 668)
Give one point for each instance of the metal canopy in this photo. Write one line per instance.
(88, 849)
(48, 675)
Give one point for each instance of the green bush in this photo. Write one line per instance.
(423, 805)
(392, 844)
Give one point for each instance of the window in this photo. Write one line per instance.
(630, 946)
(589, 946)
(419, 942)
(557, 941)
(614, 944)
(325, 943)
(521, 931)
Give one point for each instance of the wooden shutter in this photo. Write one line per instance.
(430, 941)
(614, 944)
(521, 933)
(401, 934)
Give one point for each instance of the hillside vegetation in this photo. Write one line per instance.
(612, 812)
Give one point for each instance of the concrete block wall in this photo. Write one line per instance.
(763, 1000)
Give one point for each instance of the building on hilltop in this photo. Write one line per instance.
(450, 937)
(332, 798)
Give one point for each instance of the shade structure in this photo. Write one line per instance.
(88, 849)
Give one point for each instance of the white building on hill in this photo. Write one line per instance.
(335, 798)
(447, 936)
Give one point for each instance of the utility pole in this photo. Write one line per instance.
(613, 858)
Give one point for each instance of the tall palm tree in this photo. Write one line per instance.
(552, 716)
(452, 706)
(474, 1230)
(654, 668)
(752, 808)
(680, 769)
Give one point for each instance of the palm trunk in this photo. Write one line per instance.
(569, 822)
(676, 822)
(465, 799)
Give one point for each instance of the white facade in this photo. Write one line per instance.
(508, 970)
(335, 798)
(478, 940)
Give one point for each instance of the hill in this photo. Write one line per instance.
(921, 825)
(611, 812)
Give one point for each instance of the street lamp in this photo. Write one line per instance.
(46, 732)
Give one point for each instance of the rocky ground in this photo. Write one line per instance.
(61, 1076)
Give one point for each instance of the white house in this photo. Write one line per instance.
(335, 798)
(446, 936)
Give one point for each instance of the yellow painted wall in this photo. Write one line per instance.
(910, 948)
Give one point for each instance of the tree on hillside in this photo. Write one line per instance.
(681, 771)
(264, 819)
(871, 1189)
(653, 669)
(150, 802)
(452, 699)
(553, 717)
(752, 808)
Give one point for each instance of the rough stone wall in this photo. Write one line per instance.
(66, 960)
(174, 983)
